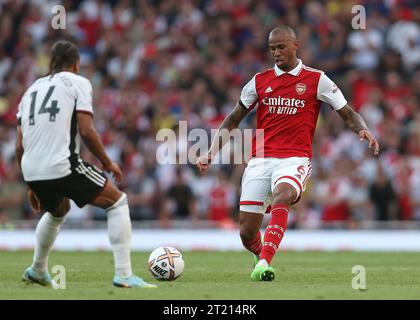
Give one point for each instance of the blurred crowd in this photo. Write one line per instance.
(154, 63)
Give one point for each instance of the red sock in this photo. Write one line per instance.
(255, 245)
(274, 232)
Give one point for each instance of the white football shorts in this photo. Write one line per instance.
(262, 175)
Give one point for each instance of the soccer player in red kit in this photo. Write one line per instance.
(287, 99)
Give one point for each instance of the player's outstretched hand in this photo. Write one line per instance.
(203, 162)
(365, 134)
(34, 202)
(115, 170)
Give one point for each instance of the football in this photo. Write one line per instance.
(166, 263)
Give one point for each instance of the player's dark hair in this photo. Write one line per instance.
(64, 54)
(286, 29)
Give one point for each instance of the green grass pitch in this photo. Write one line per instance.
(224, 275)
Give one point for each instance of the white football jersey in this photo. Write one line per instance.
(47, 115)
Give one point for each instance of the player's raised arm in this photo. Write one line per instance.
(355, 122)
(329, 92)
(93, 142)
(222, 135)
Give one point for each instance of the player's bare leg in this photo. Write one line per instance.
(283, 196)
(249, 230)
(119, 231)
(46, 232)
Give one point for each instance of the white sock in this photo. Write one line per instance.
(45, 233)
(119, 232)
(262, 262)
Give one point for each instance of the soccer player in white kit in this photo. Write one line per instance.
(288, 98)
(54, 113)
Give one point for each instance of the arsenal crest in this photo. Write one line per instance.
(300, 88)
(301, 169)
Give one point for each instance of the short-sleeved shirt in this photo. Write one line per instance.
(47, 116)
(288, 105)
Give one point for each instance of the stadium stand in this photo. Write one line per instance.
(154, 63)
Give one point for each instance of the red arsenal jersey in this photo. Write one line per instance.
(288, 105)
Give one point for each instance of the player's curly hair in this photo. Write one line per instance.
(64, 54)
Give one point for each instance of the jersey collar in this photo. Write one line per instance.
(294, 72)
